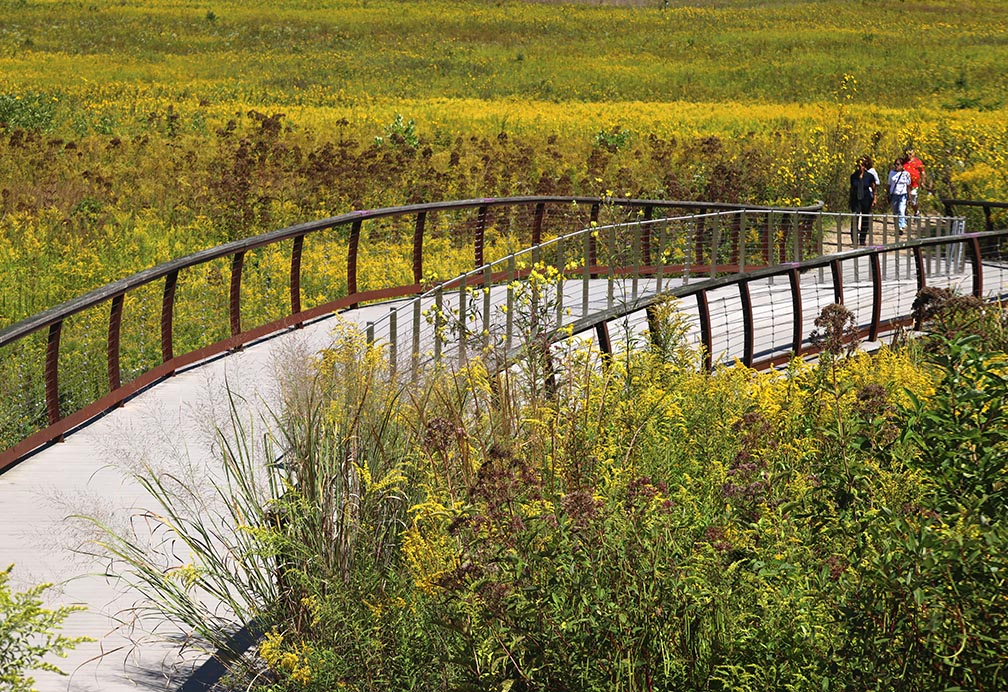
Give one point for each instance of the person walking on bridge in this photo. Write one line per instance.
(915, 167)
(899, 184)
(861, 200)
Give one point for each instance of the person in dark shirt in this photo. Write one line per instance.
(862, 199)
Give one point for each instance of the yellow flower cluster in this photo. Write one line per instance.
(286, 657)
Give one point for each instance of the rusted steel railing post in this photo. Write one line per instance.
(921, 279)
(797, 329)
(52, 372)
(748, 325)
(703, 310)
(876, 278)
(112, 351)
(918, 255)
(481, 225)
(234, 301)
(355, 228)
(975, 257)
(168, 316)
(295, 276)
(836, 270)
(418, 235)
(604, 342)
(537, 223)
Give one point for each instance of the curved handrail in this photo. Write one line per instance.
(45, 410)
(711, 244)
(476, 307)
(75, 305)
(801, 345)
(950, 206)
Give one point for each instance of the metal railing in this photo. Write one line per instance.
(587, 279)
(68, 364)
(974, 263)
(989, 209)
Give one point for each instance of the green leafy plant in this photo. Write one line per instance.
(399, 133)
(929, 601)
(614, 139)
(27, 111)
(29, 633)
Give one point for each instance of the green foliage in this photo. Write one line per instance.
(930, 599)
(638, 524)
(27, 111)
(963, 430)
(399, 133)
(613, 139)
(28, 634)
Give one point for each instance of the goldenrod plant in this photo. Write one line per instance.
(643, 524)
(29, 634)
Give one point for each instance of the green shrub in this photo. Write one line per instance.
(27, 111)
(927, 609)
(28, 634)
(640, 524)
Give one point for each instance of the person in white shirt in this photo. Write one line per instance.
(899, 185)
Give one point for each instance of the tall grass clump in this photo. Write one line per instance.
(300, 519)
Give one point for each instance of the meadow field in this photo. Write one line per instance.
(133, 132)
(642, 525)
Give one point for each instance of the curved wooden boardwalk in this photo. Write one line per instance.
(169, 428)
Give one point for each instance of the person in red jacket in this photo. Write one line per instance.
(915, 167)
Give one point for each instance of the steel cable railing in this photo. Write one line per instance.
(70, 363)
(599, 273)
(882, 303)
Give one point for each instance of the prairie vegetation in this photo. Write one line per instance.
(642, 525)
(645, 526)
(136, 132)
